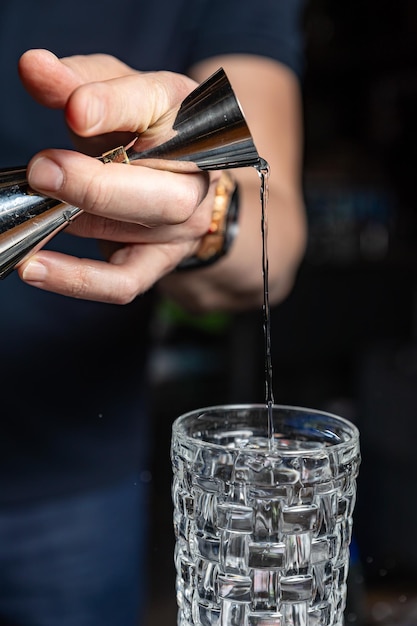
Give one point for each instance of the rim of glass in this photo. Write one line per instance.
(178, 432)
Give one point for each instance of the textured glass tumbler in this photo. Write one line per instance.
(263, 526)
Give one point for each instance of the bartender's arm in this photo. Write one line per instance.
(157, 219)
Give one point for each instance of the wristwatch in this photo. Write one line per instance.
(223, 227)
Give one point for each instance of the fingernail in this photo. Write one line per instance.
(34, 272)
(46, 175)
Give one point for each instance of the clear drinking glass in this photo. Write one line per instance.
(263, 525)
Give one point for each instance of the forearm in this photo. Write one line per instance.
(271, 101)
(236, 281)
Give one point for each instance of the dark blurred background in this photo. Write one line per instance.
(346, 338)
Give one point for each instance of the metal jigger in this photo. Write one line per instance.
(209, 132)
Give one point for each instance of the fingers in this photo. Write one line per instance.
(100, 93)
(131, 103)
(164, 211)
(117, 191)
(126, 102)
(51, 80)
(132, 271)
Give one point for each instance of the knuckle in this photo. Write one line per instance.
(107, 229)
(126, 292)
(185, 202)
(81, 281)
(95, 198)
(78, 283)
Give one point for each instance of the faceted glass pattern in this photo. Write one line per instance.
(263, 526)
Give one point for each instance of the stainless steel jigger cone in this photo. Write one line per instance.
(209, 132)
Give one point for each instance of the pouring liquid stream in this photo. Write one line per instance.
(263, 172)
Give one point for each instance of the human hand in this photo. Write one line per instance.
(157, 218)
